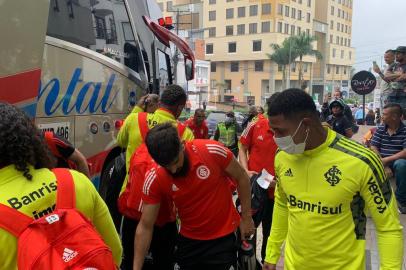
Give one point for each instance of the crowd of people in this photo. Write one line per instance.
(184, 184)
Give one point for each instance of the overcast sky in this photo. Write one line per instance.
(378, 25)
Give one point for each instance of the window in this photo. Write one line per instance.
(339, 13)
(337, 69)
(232, 47)
(241, 12)
(345, 70)
(287, 9)
(280, 9)
(161, 6)
(266, 27)
(229, 30)
(338, 26)
(342, 27)
(286, 28)
(292, 30)
(266, 9)
(293, 13)
(342, 54)
(337, 40)
(169, 5)
(305, 67)
(299, 15)
(209, 48)
(331, 38)
(212, 15)
(241, 29)
(342, 41)
(350, 55)
(334, 53)
(256, 45)
(331, 25)
(213, 66)
(349, 42)
(332, 11)
(299, 30)
(229, 13)
(308, 32)
(308, 17)
(280, 68)
(328, 69)
(254, 10)
(229, 1)
(300, 1)
(259, 66)
(345, 42)
(309, 3)
(212, 2)
(213, 83)
(293, 67)
(346, 28)
(98, 30)
(234, 66)
(253, 28)
(279, 27)
(212, 31)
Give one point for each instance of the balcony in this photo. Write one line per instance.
(110, 35)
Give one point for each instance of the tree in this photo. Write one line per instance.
(281, 57)
(302, 45)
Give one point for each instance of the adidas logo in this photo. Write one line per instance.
(289, 173)
(260, 138)
(68, 254)
(174, 188)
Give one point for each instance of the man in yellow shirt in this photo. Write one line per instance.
(172, 102)
(325, 182)
(27, 184)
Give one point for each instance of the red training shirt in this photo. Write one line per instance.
(202, 197)
(200, 132)
(258, 138)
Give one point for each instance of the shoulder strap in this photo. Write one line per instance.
(13, 221)
(65, 196)
(142, 123)
(181, 129)
(49, 138)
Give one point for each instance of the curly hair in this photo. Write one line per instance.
(21, 143)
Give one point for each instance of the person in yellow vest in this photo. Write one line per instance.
(226, 133)
(171, 104)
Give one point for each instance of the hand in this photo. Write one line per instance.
(141, 101)
(385, 161)
(247, 227)
(388, 172)
(273, 183)
(376, 69)
(401, 78)
(251, 173)
(268, 266)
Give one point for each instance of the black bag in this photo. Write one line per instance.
(259, 196)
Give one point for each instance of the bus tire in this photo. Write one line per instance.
(110, 185)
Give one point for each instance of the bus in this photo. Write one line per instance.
(78, 67)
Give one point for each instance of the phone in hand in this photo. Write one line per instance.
(375, 64)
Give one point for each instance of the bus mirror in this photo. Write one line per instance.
(189, 69)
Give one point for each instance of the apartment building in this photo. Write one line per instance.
(238, 33)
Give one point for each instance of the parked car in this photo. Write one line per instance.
(216, 117)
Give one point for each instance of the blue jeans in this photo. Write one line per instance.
(399, 169)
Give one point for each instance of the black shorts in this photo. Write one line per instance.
(216, 254)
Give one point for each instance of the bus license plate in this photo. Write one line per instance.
(61, 129)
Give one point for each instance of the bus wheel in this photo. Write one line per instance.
(111, 181)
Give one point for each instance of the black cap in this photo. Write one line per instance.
(401, 49)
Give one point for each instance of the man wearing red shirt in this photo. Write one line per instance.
(198, 125)
(195, 175)
(257, 142)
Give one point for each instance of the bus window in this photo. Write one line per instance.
(102, 26)
(165, 77)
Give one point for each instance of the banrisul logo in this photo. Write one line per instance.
(79, 97)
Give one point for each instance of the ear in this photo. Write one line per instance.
(307, 122)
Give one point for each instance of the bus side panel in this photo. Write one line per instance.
(23, 34)
(84, 98)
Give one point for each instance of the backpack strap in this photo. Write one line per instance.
(142, 123)
(13, 221)
(65, 196)
(181, 129)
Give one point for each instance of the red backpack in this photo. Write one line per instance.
(129, 202)
(64, 239)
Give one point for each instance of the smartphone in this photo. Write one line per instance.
(375, 64)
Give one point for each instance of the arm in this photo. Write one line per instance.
(143, 234)
(376, 142)
(80, 161)
(243, 159)
(279, 228)
(349, 133)
(380, 200)
(216, 134)
(348, 128)
(400, 155)
(235, 170)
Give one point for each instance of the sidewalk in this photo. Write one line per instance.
(372, 258)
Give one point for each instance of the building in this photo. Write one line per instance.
(238, 34)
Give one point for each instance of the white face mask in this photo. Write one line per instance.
(288, 145)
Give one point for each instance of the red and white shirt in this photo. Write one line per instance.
(200, 132)
(202, 197)
(258, 138)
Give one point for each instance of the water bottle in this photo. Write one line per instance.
(247, 257)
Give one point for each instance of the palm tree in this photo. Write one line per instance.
(302, 45)
(281, 57)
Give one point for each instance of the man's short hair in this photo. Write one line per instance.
(199, 110)
(396, 108)
(292, 103)
(339, 91)
(163, 143)
(173, 96)
(390, 51)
